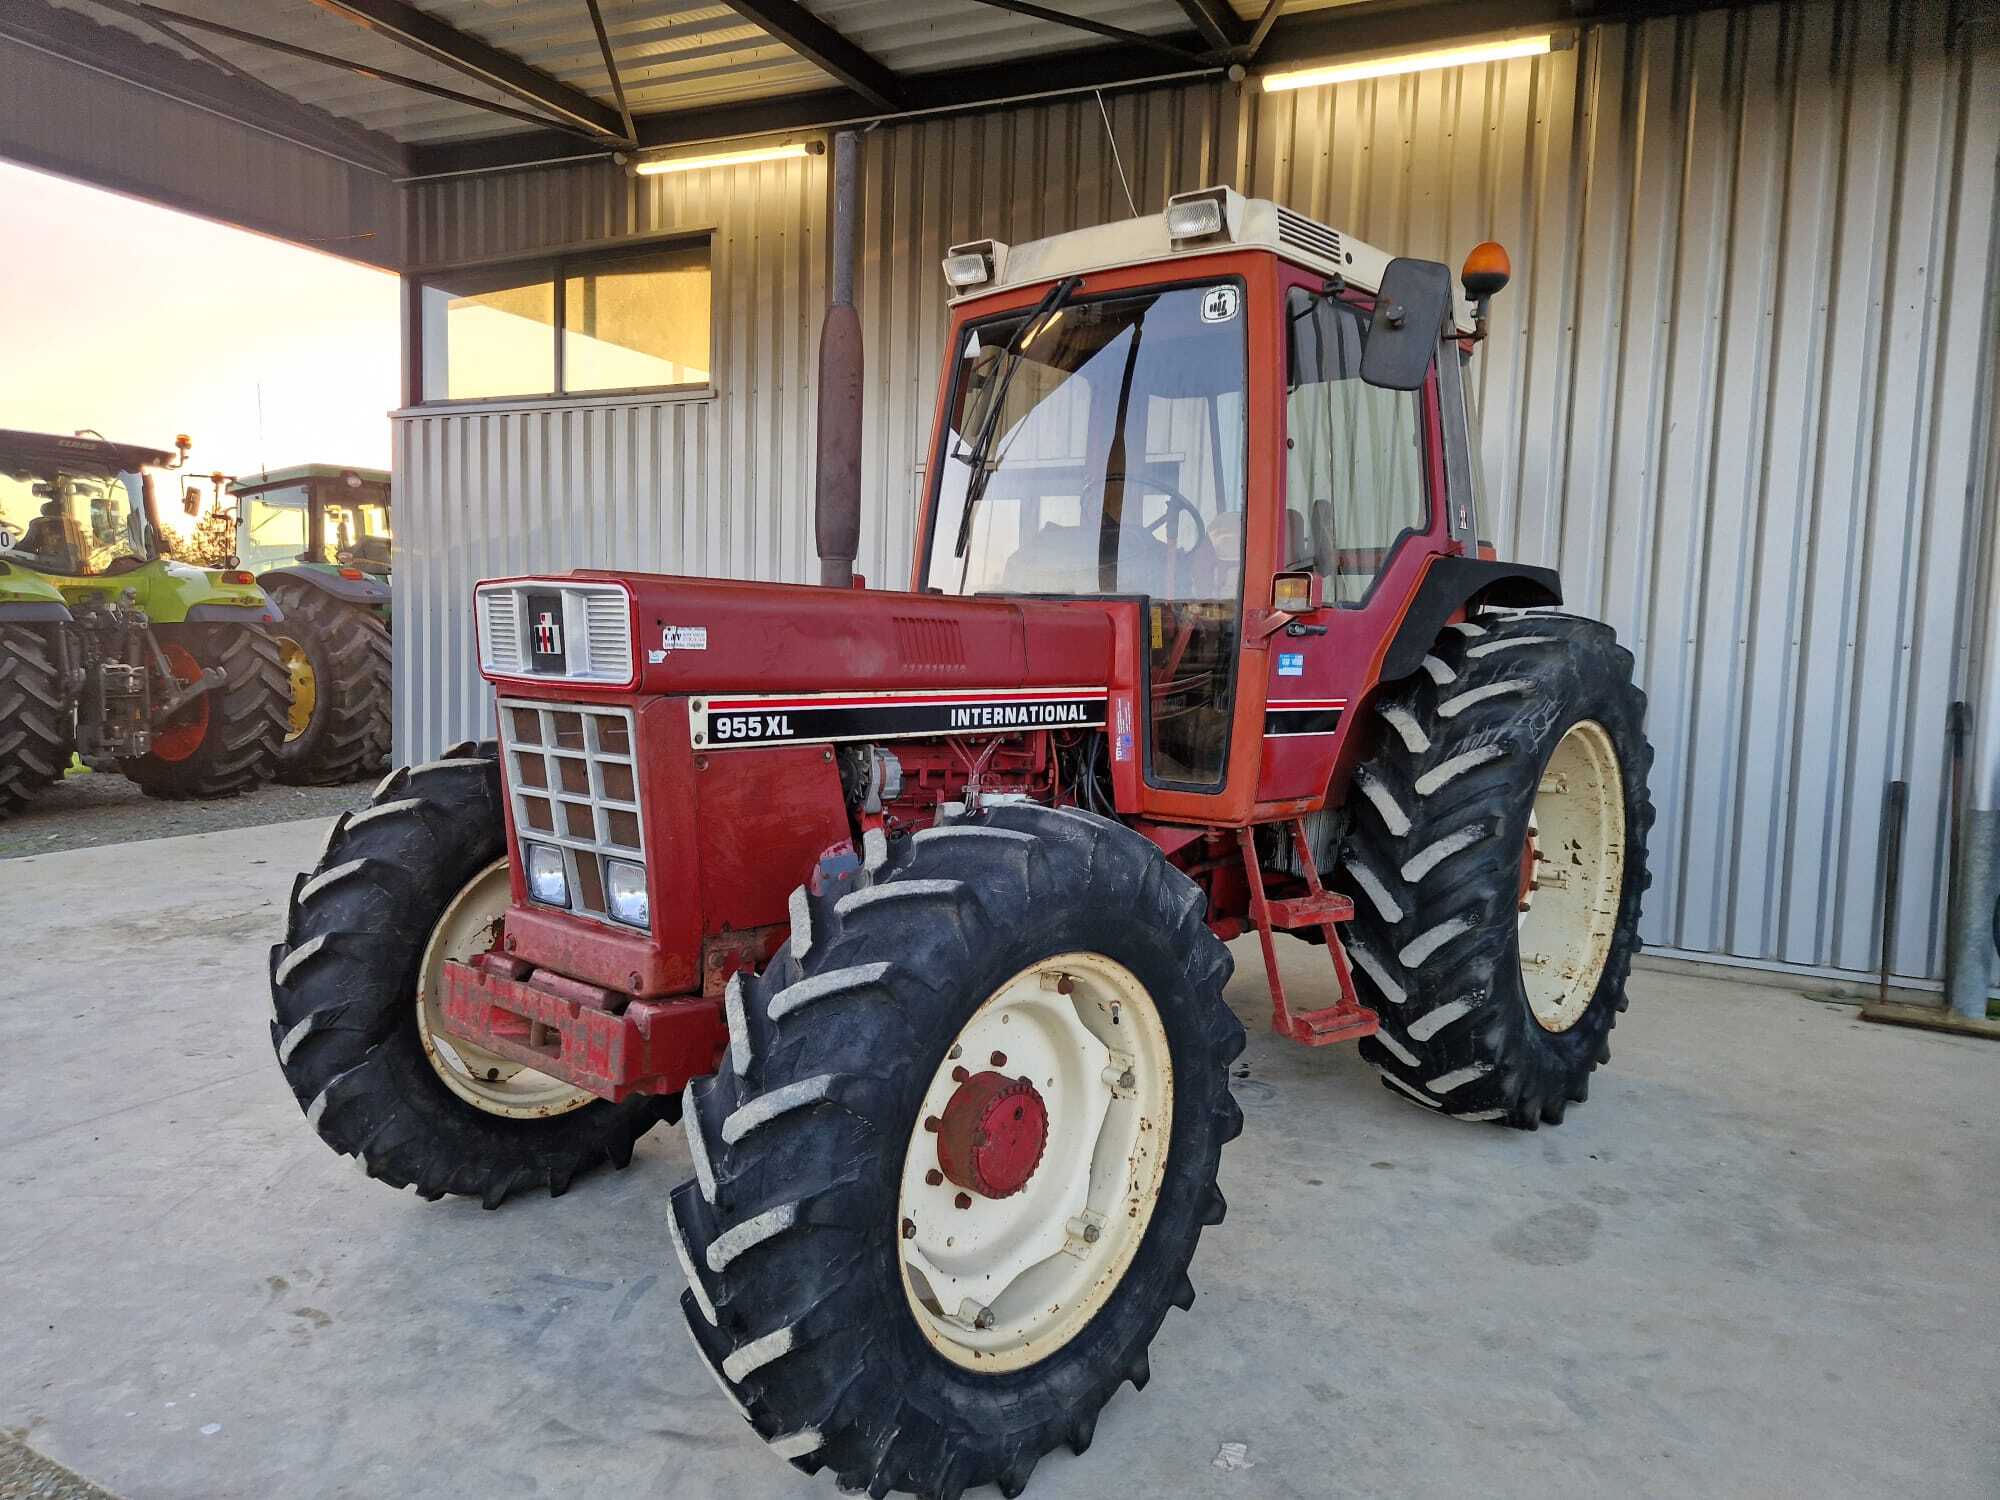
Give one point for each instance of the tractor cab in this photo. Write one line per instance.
(1250, 428)
(77, 507)
(317, 515)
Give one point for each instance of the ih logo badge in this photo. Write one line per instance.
(545, 633)
(1218, 304)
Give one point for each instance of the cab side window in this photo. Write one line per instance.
(1354, 470)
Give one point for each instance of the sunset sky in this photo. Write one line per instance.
(141, 323)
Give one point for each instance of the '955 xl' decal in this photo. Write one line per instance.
(818, 718)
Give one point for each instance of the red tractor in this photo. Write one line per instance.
(911, 905)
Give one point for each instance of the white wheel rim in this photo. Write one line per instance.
(1571, 914)
(482, 1079)
(1001, 1283)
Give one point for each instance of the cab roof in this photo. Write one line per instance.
(251, 484)
(53, 450)
(1248, 224)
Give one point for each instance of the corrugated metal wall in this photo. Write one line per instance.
(1736, 392)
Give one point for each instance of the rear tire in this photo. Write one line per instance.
(243, 718)
(1435, 865)
(34, 715)
(346, 1011)
(789, 1235)
(347, 735)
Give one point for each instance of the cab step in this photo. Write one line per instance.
(1347, 1018)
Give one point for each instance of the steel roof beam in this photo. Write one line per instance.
(826, 49)
(1219, 26)
(1100, 28)
(464, 53)
(611, 70)
(174, 18)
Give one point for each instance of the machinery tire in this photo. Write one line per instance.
(1435, 865)
(244, 717)
(787, 1234)
(34, 715)
(345, 1009)
(347, 737)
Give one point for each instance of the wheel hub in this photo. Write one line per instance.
(992, 1134)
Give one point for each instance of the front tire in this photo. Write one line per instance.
(1496, 863)
(798, 1233)
(418, 877)
(34, 716)
(226, 741)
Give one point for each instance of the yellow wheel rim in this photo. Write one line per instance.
(305, 688)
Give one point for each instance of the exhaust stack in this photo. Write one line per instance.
(837, 494)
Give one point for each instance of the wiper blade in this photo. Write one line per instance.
(1010, 361)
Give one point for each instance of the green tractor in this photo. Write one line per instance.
(112, 650)
(319, 541)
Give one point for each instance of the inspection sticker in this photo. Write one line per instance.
(1291, 664)
(1218, 304)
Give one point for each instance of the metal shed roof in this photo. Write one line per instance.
(452, 84)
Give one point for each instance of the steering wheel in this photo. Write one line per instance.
(1177, 503)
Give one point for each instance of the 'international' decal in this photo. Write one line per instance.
(819, 718)
(1286, 717)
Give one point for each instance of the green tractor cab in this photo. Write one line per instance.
(318, 539)
(114, 651)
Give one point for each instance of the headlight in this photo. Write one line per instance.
(547, 882)
(627, 891)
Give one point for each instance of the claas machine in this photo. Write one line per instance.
(911, 904)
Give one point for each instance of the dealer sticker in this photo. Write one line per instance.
(1291, 664)
(683, 637)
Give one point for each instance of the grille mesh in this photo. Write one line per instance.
(573, 783)
(597, 630)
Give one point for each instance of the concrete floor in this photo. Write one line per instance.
(1762, 1261)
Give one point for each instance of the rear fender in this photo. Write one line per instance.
(1451, 584)
(29, 599)
(363, 592)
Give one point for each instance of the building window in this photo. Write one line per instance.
(580, 325)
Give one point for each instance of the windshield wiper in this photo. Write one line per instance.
(1010, 361)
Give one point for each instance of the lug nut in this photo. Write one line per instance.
(959, 1075)
(909, 1229)
(931, 1123)
(999, 1059)
(1090, 1234)
(1127, 1079)
(985, 1318)
(963, 1200)
(933, 1177)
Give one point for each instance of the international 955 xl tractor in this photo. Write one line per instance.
(318, 539)
(110, 648)
(911, 905)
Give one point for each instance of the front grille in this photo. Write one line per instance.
(574, 784)
(596, 630)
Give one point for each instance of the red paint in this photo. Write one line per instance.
(568, 1030)
(992, 1133)
(189, 728)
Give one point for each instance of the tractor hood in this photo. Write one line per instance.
(707, 636)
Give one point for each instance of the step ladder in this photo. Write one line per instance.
(1347, 1018)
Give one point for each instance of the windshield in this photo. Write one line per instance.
(1115, 461)
(1113, 464)
(71, 522)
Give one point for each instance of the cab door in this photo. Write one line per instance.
(1363, 487)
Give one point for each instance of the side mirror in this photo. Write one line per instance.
(190, 502)
(1409, 320)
